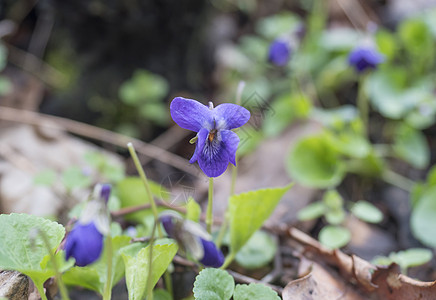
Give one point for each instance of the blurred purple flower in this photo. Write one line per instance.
(365, 57)
(85, 240)
(193, 239)
(279, 52)
(216, 143)
(84, 243)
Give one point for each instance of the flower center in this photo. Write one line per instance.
(212, 134)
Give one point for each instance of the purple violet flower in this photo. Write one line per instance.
(85, 240)
(84, 243)
(365, 57)
(193, 239)
(279, 52)
(216, 143)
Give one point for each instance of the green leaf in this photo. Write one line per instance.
(213, 284)
(416, 37)
(258, 251)
(46, 177)
(411, 145)
(249, 138)
(335, 216)
(193, 210)
(339, 39)
(143, 87)
(386, 44)
(423, 221)
(5, 85)
(254, 291)
(155, 112)
(245, 215)
(312, 211)
(367, 212)
(24, 250)
(137, 267)
(160, 294)
(411, 257)
(334, 236)
(73, 177)
(352, 145)
(334, 203)
(276, 25)
(131, 192)
(315, 162)
(94, 276)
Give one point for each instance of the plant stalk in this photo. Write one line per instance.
(108, 286)
(209, 216)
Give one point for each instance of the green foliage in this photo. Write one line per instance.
(315, 162)
(334, 236)
(246, 218)
(405, 259)
(193, 210)
(94, 276)
(411, 146)
(23, 247)
(276, 25)
(259, 251)
(131, 192)
(254, 291)
(137, 267)
(73, 178)
(423, 221)
(145, 91)
(213, 284)
(367, 212)
(45, 177)
(107, 170)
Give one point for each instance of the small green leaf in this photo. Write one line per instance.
(248, 211)
(332, 199)
(423, 221)
(73, 177)
(137, 267)
(213, 284)
(254, 291)
(312, 211)
(22, 247)
(411, 145)
(258, 251)
(411, 257)
(160, 294)
(193, 210)
(94, 276)
(335, 216)
(46, 177)
(367, 212)
(315, 162)
(273, 26)
(381, 261)
(334, 236)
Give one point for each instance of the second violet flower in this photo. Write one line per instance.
(216, 143)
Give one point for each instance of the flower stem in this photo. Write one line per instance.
(209, 217)
(146, 184)
(62, 288)
(108, 286)
(362, 104)
(228, 260)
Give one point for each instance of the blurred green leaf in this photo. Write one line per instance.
(411, 257)
(386, 43)
(259, 251)
(423, 221)
(411, 146)
(45, 177)
(315, 162)
(249, 138)
(5, 86)
(74, 177)
(312, 211)
(277, 25)
(155, 112)
(143, 87)
(416, 37)
(131, 192)
(339, 39)
(193, 210)
(367, 212)
(334, 237)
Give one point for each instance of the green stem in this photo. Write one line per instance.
(62, 288)
(398, 180)
(40, 288)
(149, 288)
(228, 260)
(146, 184)
(363, 104)
(108, 286)
(209, 217)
